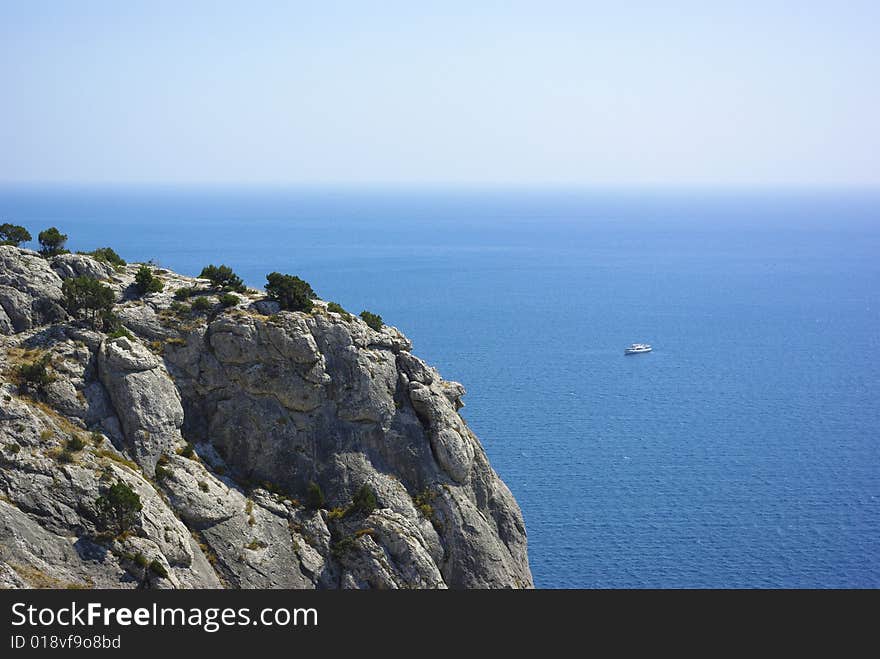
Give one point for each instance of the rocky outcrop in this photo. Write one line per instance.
(145, 399)
(30, 291)
(80, 265)
(223, 423)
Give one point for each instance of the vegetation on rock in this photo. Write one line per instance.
(120, 332)
(13, 234)
(201, 305)
(147, 282)
(185, 293)
(422, 502)
(87, 294)
(118, 508)
(107, 255)
(229, 299)
(372, 319)
(314, 496)
(52, 241)
(364, 500)
(337, 308)
(75, 443)
(222, 278)
(35, 376)
(291, 292)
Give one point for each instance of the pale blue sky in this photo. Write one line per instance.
(584, 93)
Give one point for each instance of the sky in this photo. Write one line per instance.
(524, 93)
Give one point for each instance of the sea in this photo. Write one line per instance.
(744, 451)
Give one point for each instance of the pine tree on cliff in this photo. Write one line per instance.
(52, 241)
(13, 234)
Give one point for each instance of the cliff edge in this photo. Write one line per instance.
(267, 448)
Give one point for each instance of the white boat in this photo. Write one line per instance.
(637, 348)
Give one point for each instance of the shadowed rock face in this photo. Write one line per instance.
(271, 403)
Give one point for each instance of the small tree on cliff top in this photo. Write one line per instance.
(372, 319)
(52, 241)
(89, 295)
(222, 278)
(292, 293)
(13, 234)
(146, 282)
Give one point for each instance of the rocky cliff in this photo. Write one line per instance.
(223, 422)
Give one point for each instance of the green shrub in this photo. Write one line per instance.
(141, 560)
(146, 282)
(314, 496)
(110, 322)
(113, 455)
(371, 319)
(52, 241)
(120, 332)
(222, 278)
(229, 299)
(203, 486)
(183, 294)
(13, 234)
(337, 308)
(179, 308)
(75, 444)
(157, 568)
(12, 449)
(118, 508)
(107, 255)
(35, 376)
(343, 546)
(291, 293)
(87, 294)
(336, 513)
(201, 305)
(364, 500)
(422, 502)
(66, 456)
(97, 438)
(188, 451)
(162, 473)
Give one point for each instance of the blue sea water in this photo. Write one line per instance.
(743, 452)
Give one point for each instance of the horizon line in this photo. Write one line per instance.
(455, 185)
